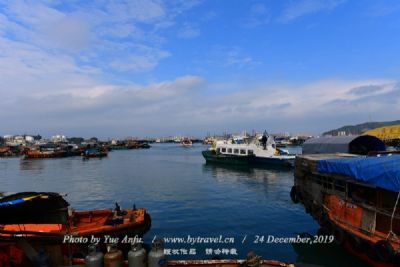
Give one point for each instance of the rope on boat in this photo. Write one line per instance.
(391, 233)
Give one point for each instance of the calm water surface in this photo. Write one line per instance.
(184, 196)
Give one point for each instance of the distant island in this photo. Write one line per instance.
(359, 128)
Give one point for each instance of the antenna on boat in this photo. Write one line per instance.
(117, 207)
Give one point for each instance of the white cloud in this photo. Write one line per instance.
(53, 66)
(70, 32)
(228, 57)
(140, 10)
(122, 30)
(188, 31)
(259, 15)
(33, 14)
(185, 104)
(142, 58)
(297, 9)
(234, 57)
(115, 36)
(382, 9)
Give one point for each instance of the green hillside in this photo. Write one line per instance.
(360, 128)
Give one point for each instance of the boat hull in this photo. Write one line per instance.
(45, 155)
(212, 157)
(336, 203)
(83, 224)
(278, 162)
(98, 155)
(60, 247)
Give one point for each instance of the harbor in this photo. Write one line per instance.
(192, 133)
(185, 197)
(190, 197)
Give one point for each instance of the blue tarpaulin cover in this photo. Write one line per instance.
(383, 171)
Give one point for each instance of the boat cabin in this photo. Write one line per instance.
(360, 208)
(235, 151)
(252, 146)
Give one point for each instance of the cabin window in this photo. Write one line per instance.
(218, 150)
(230, 150)
(327, 182)
(223, 150)
(242, 151)
(250, 152)
(387, 200)
(317, 179)
(362, 194)
(236, 151)
(383, 224)
(340, 185)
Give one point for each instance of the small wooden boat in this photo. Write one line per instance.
(208, 140)
(144, 145)
(36, 153)
(5, 151)
(186, 142)
(45, 218)
(118, 147)
(137, 145)
(94, 153)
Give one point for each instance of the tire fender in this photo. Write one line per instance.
(384, 250)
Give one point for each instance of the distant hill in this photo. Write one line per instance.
(360, 128)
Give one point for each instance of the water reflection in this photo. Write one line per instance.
(237, 172)
(327, 255)
(182, 194)
(31, 165)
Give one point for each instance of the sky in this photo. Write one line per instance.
(179, 67)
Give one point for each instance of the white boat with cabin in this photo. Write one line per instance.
(255, 150)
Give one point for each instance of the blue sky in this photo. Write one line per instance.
(148, 67)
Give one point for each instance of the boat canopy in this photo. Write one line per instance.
(381, 171)
(33, 207)
(386, 133)
(360, 144)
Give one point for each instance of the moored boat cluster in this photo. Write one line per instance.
(60, 146)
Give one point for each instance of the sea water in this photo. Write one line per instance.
(201, 211)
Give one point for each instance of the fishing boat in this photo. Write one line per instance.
(73, 150)
(356, 199)
(186, 142)
(282, 142)
(208, 140)
(94, 153)
(256, 150)
(44, 219)
(144, 145)
(45, 216)
(138, 145)
(39, 153)
(5, 151)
